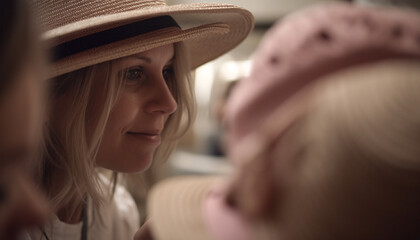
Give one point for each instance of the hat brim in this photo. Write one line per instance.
(175, 208)
(208, 31)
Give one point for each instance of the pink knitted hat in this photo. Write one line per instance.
(311, 44)
(297, 51)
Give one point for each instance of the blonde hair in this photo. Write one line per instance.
(74, 154)
(354, 159)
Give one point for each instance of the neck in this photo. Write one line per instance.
(68, 215)
(69, 208)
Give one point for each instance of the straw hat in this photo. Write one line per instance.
(299, 50)
(86, 32)
(193, 207)
(182, 210)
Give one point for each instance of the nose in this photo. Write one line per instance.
(162, 100)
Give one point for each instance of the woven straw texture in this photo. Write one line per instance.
(176, 208)
(216, 28)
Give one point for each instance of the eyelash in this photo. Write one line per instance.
(138, 74)
(168, 73)
(128, 72)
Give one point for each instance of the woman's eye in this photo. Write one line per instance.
(134, 74)
(168, 73)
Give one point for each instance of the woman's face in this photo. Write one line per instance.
(133, 131)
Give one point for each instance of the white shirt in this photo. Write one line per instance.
(116, 219)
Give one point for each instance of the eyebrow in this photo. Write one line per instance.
(146, 59)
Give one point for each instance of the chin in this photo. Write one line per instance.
(135, 165)
(127, 162)
(136, 170)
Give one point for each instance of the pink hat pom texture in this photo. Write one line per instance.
(311, 44)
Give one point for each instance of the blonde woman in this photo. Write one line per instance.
(121, 97)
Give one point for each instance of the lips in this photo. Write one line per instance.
(153, 136)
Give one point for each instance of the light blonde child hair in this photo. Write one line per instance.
(75, 154)
(348, 167)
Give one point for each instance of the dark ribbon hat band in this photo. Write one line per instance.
(112, 35)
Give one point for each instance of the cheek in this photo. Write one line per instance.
(123, 115)
(117, 152)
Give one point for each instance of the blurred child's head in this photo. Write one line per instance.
(325, 131)
(341, 161)
(324, 135)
